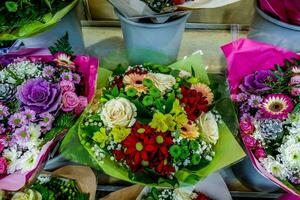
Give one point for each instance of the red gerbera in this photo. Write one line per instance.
(194, 103)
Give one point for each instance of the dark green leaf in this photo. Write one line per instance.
(115, 91)
(159, 105)
(170, 102)
(175, 73)
(11, 6)
(193, 71)
(119, 70)
(65, 120)
(62, 45)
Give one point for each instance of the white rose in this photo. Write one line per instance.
(208, 127)
(184, 194)
(118, 112)
(162, 81)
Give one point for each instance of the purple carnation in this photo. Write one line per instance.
(257, 82)
(3, 111)
(39, 95)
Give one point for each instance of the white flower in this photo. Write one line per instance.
(28, 160)
(12, 155)
(184, 194)
(162, 81)
(209, 128)
(274, 167)
(34, 131)
(184, 74)
(118, 112)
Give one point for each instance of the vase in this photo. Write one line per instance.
(270, 30)
(69, 23)
(149, 42)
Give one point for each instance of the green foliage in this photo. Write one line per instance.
(119, 70)
(65, 120)
(62, 45)
(16, 13)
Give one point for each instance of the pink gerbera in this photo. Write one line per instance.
(277, 106)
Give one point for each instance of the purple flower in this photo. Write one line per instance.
(254, 101)
(29, 114)
(68, 76)
(3, 111)
(2, 129)
(76, 78)
(17, 120)
(48, 71)
(257, 82)
(241, 97)
(47, 120)
(39, 95)
(295, 179)
(245, 107)
(21, 135)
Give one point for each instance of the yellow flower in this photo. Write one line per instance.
(189, 131)
(181, 119)
(162, 122)
(120, 133)
(135, 81)
(101, 137)
(179, 114)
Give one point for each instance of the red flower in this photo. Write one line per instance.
(118, 81)
(137, 69)
(138, 147)
(164, 168)
(202, 197)
(140, 128)
(194, 103)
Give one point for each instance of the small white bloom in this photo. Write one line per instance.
(274, 167)
(34, 131)
(118, 112)
(28, 160)
(162, 81)
(184, 194)
(184, 74)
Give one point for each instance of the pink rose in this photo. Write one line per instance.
(247, 127)
(69, 101)
(82, 103)
(260, 153)
(295, 91)
(3, 165)
(249, 141)
(67, 86)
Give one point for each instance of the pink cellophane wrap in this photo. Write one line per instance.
(244, 57)
(286, 10)
(88, 66)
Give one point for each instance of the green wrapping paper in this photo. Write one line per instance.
(49, 20)
(227, 149)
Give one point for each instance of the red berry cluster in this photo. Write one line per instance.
(194, 103)
(145, 148)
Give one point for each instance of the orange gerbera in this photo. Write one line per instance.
(205, 90)
(189, 131)
(135, 81)
(63, 59)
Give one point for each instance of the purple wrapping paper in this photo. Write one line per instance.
(286, 10)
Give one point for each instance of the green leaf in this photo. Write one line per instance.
(193, 71)
(62, 45)
(48, 4)
(297, 108)
(65, 120)
(170, 102)
(115, 91)
(159, 105)
(11, 6)
(119, 70)
(52, 134)
(175, 73)
(142, 111)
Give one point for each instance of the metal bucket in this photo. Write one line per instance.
(270, 30)
(69, 23)
(148, 37)
(249, 176)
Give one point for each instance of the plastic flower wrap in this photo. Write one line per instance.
(155, 124)
(267, 90)
(21, 19)
(286, 11)
(40, 97)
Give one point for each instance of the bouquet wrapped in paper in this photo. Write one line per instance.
(41, 94)
(267, 90)
(287, 10)
(157, 125)
(22, 19)
(150, 8)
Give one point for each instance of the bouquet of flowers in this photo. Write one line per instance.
(24, 18)
(40, 96)
(267, 92)
(150, 8)
(286, 11)
(156, 124)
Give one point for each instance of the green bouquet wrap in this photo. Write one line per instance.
(157, 125)
(23, 19)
